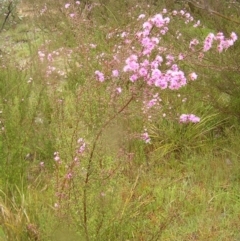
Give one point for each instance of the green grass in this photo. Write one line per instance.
(183, 185)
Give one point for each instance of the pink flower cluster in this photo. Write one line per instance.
(222, 42)
(146, 66)
(189, 118)
(68, 6)
(173, 78)
(158, 66)
(50, 58)
(154, 101)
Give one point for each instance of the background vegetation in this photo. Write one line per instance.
(183, 185)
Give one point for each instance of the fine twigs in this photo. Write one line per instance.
(205, 6)
(88, 172)
(10, 9)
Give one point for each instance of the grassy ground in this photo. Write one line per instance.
(111, 185)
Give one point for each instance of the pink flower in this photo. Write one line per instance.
(180, 56)
(143, 71)
(193, 42)
(187, 15)
(41, 55)
(50, 58)
(152, 102)
(77, 2)
(174, 12)
(158, 20)
(123, 34)
(234, 36)
(189, 118)
(197, 24)
(164, 10)
(194, 119)
(115, 73)
(182, 12)
(131, 63)
(141, 16)
(67, 5)
(57, 157)
(82, 146)
(72, 15)
(208, 42)
(147, 25)
(119, 90)
(133, 77)
(69, 175)
(145, 137)
(99, 75)
(193, 76)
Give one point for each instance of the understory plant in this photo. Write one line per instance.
(102, 117)
(135, 80)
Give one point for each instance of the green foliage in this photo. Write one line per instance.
(172, 138)
(184, 185)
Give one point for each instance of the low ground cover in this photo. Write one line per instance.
(119, 121)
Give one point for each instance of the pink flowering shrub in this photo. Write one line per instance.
(157, 67)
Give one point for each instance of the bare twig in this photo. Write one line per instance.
(10, 9)
(205, 6)
(88, 173)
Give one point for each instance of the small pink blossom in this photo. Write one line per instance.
(67, 5)
(145, 137)
(141, 16)
(119, 90)
(234, 36)
(134, 77)
(72, 15)
(182, 12)
(189, 118)
(193, 76)
(50, 58)
(187, 15)
(147, 25)
(77, 2)
(180, 56)
(115, 73)
(197, 24)
(82, 146)
(143, 71)
(158, 20)
(57, 157)
(99, 75)
(164, 10)
(174, 12)
(41, 55)
(123, 34)
(69, 175)
(193, 42)
(208, 42)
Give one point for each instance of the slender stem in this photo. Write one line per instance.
(85, 218)
(7, 15)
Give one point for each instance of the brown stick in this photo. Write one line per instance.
(85, 218)
(8, 14)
